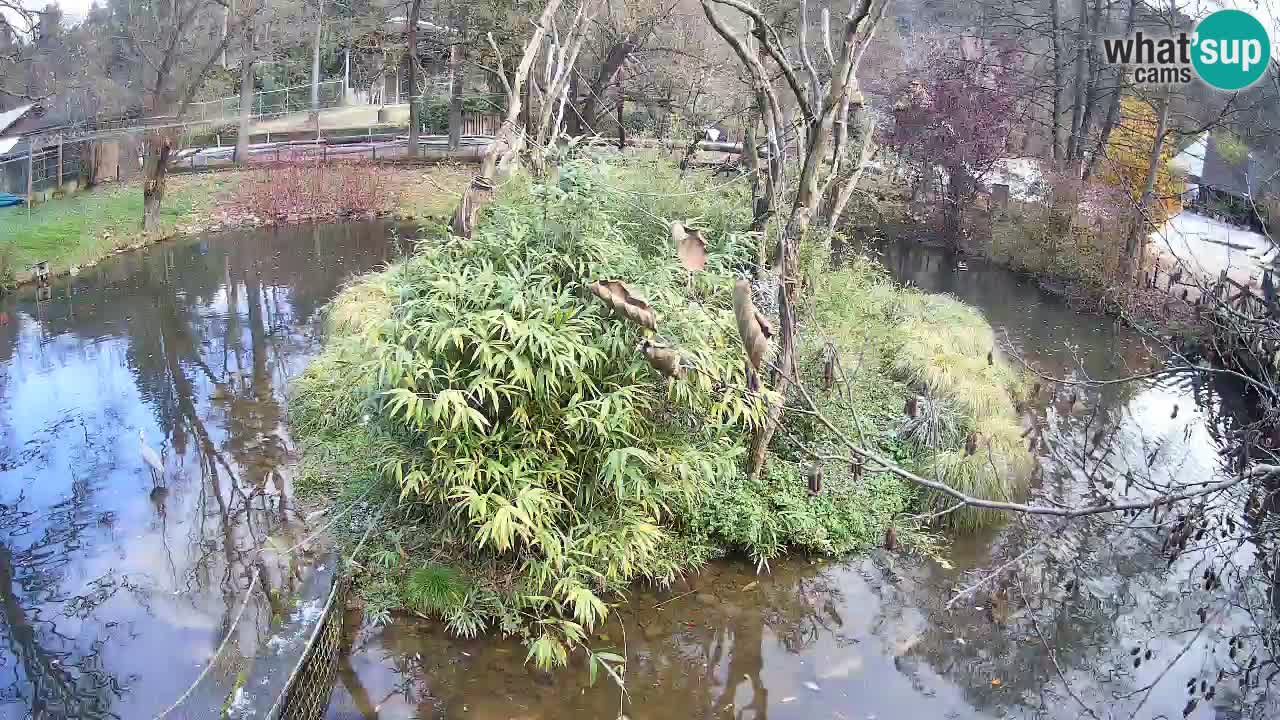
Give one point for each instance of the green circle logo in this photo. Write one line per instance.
(1231, 50)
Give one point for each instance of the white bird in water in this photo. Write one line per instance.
(151, 457)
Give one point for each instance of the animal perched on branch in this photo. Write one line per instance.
(663, 358)
(754, 330)
(624, 303)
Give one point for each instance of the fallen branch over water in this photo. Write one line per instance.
(1260, 471)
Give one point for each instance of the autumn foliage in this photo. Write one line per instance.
(291, 192)
(1129, 154)
(958, 119)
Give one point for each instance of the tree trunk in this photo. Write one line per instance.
(953, 207)
(1077, 105)
(609, 67)
(1113, 108)
(226, 19)
(865, 125)
(573, 121)
(1058, 80)
(1091, 88)
(411, 42)
(1140, 227)
(155, 170)
(457, 62)
(622, 130)
(246, 98)
(315, 67)
(760, 196)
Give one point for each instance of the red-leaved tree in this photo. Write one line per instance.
(955, 122)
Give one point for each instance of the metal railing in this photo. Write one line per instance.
(269, 103)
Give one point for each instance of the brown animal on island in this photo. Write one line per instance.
(664, 359)
(754, 330)
(815, 478)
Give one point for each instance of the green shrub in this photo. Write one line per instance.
(516, 415)
(433, 113)
(538, 465)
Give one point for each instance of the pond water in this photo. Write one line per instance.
(118, 581)
(1098, 623)
(121, 569)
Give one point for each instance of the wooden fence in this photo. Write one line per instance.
(1246, 330)
(484, 124)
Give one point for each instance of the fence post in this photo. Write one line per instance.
(59, 162)
(30, 176)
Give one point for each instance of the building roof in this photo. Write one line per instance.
(10, 117)
(1191, 159)
(1222, 174)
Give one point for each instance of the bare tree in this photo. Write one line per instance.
(820, 97)
(507, 143)
(561, 58)
(17, 25)
(168, 41)
(415, 101)
(457, 77)
(248, 60)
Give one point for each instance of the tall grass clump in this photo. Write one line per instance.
(943, 350)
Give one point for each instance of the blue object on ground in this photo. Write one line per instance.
(9, 200)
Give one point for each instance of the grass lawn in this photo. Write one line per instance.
(84, 227)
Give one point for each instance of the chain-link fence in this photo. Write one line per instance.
(306, 694)
(268, 103)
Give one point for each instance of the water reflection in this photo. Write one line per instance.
(115, 593)
(874, 637)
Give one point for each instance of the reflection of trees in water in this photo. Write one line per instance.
(1095, 590)
(689, 658)
(1098, 589)
(51, 676)
(797, 605)
(211, 376)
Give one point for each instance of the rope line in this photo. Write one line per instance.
(253, 583)
(218, 653)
